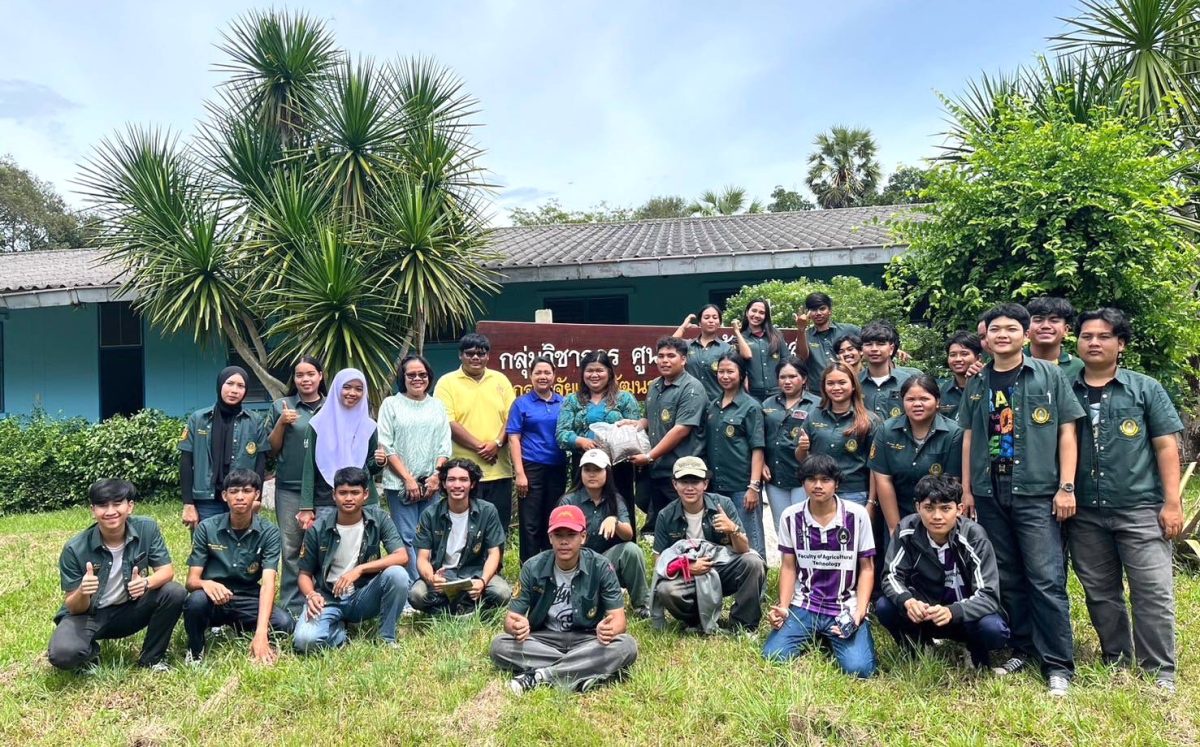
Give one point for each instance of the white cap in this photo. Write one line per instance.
(597, 457)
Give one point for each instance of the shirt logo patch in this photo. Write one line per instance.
(184, 436)
(251, 448)
(666, 416)
(843, 536)
(592, 612)
(478, 548)
(1130, 428)
(729, 431)
(252, 568)
(1041, 416)
(852, 445)
(795, 433)
(935, 469)
(895, 411)
(872, 453)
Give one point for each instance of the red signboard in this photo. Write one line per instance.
(515, 345)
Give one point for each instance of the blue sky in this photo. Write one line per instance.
(582, 101)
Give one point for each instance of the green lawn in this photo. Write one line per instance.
(441, 688)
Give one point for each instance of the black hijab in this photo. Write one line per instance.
(220, 445)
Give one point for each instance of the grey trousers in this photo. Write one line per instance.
(574, 659)
(630, 564)
(495, 595)
(1107, 545)
(743, 578)
(287, 505)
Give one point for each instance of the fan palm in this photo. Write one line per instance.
(843, 172)
(730, 200)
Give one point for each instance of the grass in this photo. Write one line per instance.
(440, 687)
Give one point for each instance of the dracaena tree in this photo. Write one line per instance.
(329, 205)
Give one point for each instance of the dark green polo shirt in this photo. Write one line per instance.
(596, 515)
(237, 562)
(315, 492)
(671, 525)
(782, 425)
(249, 439)
(483, 533)
(732, 433)
(825, 434)
(289, 464)
(322, 539)
(884, 399)
(951, 397)
(1117, 465)
(702, 363)
(1067, 363)
(820, 350)
(895, 453)
(681, 402)
(595, 590)
(1042, 400)
(761, 366)
(144, 548)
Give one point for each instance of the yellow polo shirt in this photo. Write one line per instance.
(482, 408)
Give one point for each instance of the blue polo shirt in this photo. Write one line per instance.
(534, 419)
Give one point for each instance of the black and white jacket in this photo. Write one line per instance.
(913, 569)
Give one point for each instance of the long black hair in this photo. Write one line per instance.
(608, 494)
(584, 395)
(773, 335)
(310, 360)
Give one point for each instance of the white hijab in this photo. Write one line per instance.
(343, 433)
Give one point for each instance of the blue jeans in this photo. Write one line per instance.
(383, 596)
(780, 499)
(855, 655)
(989, 633)
(859, 498)
(1033, 581)
(405, 516)
(214, 507)
(752, 522)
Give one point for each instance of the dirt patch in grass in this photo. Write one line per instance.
(477, 719)
(217, 700)
(153, 733)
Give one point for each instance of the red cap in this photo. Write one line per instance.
(567, 517)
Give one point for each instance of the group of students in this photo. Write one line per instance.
(950, 506)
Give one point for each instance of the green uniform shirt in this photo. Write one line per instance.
(483, 533)
(322, 539)
(761, 366)
(671, 525)
(596, 515)
(315, 492)
(595, 590)
(681, 402)
(1117, 465)
(702, 363)
(144, 548)
(951, 397)
(884, 399)
(895, 453)
(289, 464)
(783, 425)
(249, 438)
(1042, 401)
(732, 433)
(820, 350)
(237, 562)
(825, 435)
(1067, 363)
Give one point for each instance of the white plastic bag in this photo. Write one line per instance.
(621, 442)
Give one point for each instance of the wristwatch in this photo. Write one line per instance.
(1067, 487)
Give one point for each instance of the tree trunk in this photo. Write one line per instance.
(275, 387)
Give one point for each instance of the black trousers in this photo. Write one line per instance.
(658, 492)
(499, 493)
(74, 642)
(547, 483)
(241, 612)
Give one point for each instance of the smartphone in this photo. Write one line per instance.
(845, 623)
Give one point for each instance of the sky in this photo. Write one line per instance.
(582, 102)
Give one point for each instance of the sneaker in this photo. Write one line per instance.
(159, 666)
(1166, 685)
(408, 611)
(1012, 666)
(1059, 686)
(193, 660)
(218, 631)
(642, 613)
(527, 681)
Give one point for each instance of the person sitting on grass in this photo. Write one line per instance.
(117, 578)
(940, 577)
(231, 572)
(566, 626)
(344, 577)
(459, 538)
(827, 573)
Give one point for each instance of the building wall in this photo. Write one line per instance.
(52, 361)
(181, 376)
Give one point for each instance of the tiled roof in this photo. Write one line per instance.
(52, 270)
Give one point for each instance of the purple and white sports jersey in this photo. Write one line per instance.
(826, 556)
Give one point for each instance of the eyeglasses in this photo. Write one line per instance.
(475, 354)
(416, 376)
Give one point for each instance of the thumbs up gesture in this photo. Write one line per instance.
(289, 415)
(722, 522)
(138, 584)
(90, 583)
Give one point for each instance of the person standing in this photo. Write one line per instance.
(881, 378)
(1129, 500)
(477, 401)
(735, 445)
(703, 352)
(287, 428)
(1019, 456)
(963, 352)
(816, 335)
(414, 432)
(216, 440)
(540, 466)
(844, 429)
(784, 415)
(762, 346)
(848, 350)
(1050, 321)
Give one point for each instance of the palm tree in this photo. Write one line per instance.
(328, 206)
(843, 172)
(730, 201)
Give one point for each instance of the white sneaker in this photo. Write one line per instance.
(193, 660)
(1059, 686)
(159, 667)
(1012, 666)
(1166, 685)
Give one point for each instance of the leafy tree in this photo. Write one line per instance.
(843, 171)
(730, 200)
(1042, 203)
(903, 186)
(329, 206)
(785, 200)
(32, 214)
(667, 206)
(551, 212)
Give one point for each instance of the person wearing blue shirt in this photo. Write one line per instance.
(540, 466)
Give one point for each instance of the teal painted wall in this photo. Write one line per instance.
(181, 376)
(52, 361)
